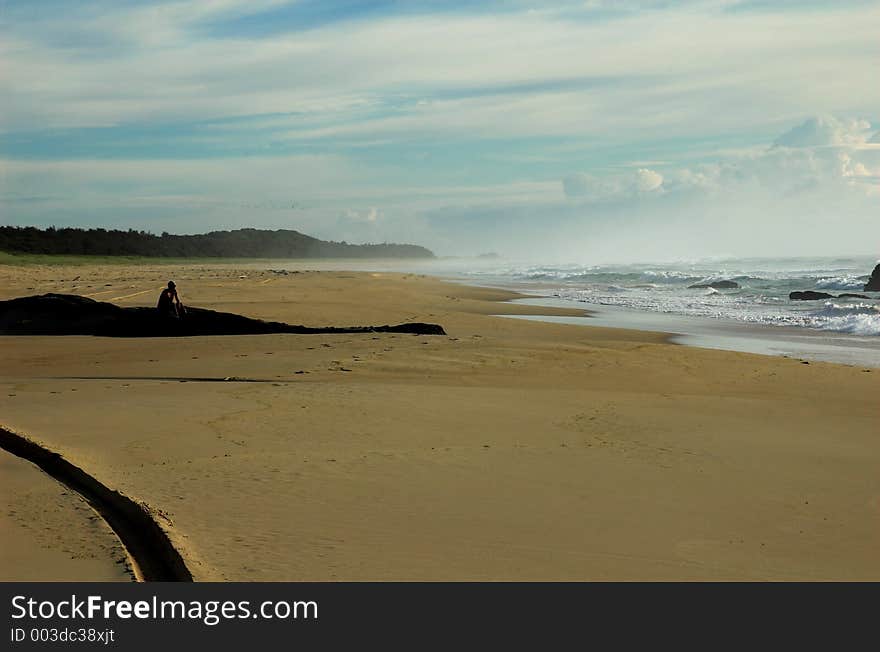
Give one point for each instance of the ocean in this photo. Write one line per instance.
(761, 298)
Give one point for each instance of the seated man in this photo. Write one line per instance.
(169, 303)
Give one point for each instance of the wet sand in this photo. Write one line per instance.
(506, 450)
(715, 333)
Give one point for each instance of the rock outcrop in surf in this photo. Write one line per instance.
(70, 314)
(715, 285)
(809, 295)
(873, 284)
(812, 295)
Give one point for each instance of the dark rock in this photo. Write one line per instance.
(809, 295)
(873, 284)
(717, 285)
(69, 314)
(847, 295)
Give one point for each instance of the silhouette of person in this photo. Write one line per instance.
(169, 305)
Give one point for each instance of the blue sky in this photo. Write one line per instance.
(580, 130)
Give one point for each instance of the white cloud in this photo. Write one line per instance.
(818, 153)
(687, 74)
(826, 131)
(781, 200)
(671, 70)
(612, 187)
(648, 180)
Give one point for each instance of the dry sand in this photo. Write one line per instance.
(507, 450)
(48, 533)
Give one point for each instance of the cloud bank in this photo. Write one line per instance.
(563, 129)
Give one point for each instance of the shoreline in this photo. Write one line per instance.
(697, 331)
(506, 450)
(727, 335)
(689, 330)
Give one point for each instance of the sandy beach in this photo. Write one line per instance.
(505, 450)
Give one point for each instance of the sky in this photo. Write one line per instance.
(588, 131)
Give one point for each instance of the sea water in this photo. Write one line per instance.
(762, 296)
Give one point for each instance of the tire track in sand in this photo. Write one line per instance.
(154, 558)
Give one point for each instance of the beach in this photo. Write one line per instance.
(507, 449)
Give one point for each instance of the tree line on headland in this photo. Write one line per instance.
(241, 243)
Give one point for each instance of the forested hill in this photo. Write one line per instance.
(242, 243)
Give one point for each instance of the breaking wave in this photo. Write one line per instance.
(762, 295)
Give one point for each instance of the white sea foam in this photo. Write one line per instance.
(762, 298)
(862, 318)
(853, 324)
(856, 319)
(841, 283)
